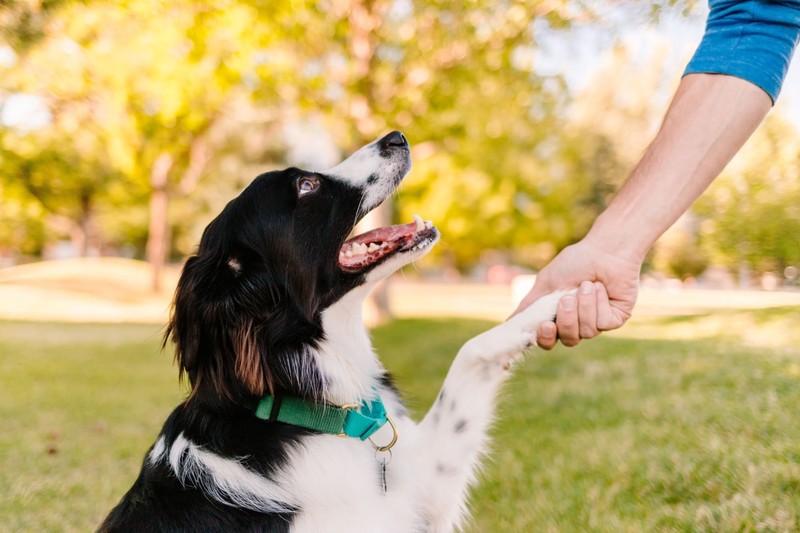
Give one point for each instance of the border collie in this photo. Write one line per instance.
(292, 423)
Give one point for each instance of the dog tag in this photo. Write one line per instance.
(383, 458)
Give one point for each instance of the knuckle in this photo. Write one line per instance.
(570, 340)
(567, 321)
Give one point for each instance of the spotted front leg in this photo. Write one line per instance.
(454, 432)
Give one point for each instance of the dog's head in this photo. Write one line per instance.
(247, 311)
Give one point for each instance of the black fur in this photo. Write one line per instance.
(247, 306)
(158, 501)
(285, 250)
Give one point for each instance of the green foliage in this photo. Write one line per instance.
(22, 229)
(751, 213)
(126, 90)
(505, 157)
(679, 254)
(458, 79)
(22, 23)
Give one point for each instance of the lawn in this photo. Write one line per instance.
(674, 424)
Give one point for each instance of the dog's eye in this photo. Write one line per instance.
(307, 185)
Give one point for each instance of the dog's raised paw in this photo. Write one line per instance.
(542, 310)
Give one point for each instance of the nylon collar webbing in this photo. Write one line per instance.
(353, 421)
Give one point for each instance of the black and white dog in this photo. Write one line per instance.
(292, 423)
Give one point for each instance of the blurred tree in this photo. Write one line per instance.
(142, 95)
(458, 80)
(596, 143)
(22, 221)
(494, 167)
(66, 184)
(678, 252)
(751, 214)
(23, 22)
(147, 106)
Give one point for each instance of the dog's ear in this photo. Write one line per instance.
(185, 325)
(216, 340)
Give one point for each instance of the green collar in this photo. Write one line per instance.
(349, 420)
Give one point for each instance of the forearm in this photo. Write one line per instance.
(710, 118)
(747, 46)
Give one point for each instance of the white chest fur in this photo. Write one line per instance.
(345, 357)
(334, 481)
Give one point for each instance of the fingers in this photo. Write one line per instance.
(587, 310)
(610, 314)
(577, 317)
(605, 314)
(546, 335)
(580, 316)
(567, 321)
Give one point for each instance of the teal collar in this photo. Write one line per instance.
(349, 420)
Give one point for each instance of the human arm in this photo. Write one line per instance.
(750, 44)
(709, 119)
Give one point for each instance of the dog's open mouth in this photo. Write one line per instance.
(369, 248)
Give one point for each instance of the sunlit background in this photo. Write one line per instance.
(126, 126)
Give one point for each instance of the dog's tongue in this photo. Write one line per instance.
(361, 250)
(388, 233)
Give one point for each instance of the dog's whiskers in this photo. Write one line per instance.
(358, 208)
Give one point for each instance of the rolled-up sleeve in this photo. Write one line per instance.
(750, 39)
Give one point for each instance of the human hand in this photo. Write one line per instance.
(608, 285)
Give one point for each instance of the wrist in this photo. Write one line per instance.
(614, 237)
(709, 119)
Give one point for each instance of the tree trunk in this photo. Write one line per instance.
(158, 229)
(85, 224)
(77, 237)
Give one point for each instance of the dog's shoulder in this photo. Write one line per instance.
(209, 473)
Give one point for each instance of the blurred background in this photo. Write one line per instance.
(126, 126)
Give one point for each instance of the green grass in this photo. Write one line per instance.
(80, 404)
(619, 434)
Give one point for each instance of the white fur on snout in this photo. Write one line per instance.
(368, 163)
(398, 260)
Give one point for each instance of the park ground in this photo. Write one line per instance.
(684, 420)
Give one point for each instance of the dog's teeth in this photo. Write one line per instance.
(373, 247)
(359, 248)
(420, 223)
(348, 253)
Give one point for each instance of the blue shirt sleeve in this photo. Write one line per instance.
(750, 39)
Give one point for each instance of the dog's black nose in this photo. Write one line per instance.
(394, 139)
